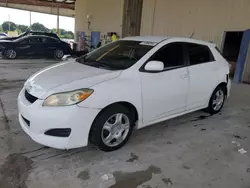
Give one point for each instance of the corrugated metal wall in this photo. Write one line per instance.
(132, 17)
(207, 19)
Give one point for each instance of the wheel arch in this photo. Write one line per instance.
(223, 84)
(126, 104)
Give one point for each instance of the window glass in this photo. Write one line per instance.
(44, 40)
(199, 54)
(24, 41)
(33, 40)
(117, 55)
(171, 55)
(51, 40)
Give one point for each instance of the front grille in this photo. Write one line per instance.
(26, 121)
(30, 97)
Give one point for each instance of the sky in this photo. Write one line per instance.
(23, 17)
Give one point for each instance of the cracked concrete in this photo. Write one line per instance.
(191, 151)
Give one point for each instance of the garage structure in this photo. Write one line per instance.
(222, 22)
(206, 20)
(55, 7)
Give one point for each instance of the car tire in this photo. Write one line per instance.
(112, 128)
(10, 54)
(217, 100)
(58, 54)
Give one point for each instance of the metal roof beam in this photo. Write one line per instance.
(44, 3)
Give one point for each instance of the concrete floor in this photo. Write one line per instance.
(192, 151)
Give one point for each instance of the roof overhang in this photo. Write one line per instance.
(65, 4)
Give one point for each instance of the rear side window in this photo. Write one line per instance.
(199, 54)
(52, 40)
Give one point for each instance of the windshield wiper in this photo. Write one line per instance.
(97, 64)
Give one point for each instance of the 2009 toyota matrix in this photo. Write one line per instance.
(131, 83)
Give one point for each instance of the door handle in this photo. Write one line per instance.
(184, 76)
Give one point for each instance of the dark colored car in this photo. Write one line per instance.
(30, 33)
(34, 46)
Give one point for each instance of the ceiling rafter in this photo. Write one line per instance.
(67, 4)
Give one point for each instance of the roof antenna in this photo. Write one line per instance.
(192, 35)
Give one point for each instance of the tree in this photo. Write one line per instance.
(9, 26)
(54, 30)
(35, 27)
(39, 27)
(63, 31)
(23, 28)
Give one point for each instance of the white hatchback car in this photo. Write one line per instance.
(133, 82)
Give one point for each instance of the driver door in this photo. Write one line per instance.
(164, 93)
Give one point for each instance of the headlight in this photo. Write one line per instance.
(68, 98)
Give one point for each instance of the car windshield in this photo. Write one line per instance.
(118, 55)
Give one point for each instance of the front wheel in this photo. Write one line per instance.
(10, 54)
(112, 128)
(217, 100)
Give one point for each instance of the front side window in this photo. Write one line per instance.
(34, 40)
(171, 55)
(199, 54)
(118, 55)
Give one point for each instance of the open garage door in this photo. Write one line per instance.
(132, 17)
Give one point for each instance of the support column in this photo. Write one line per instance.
(81, 21)
(58, 20)
(30, 20)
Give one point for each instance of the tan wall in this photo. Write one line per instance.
(208, 19)
(105, 16)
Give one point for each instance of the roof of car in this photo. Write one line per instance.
(158, 39)
(146, 38)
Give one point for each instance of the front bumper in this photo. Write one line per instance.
(42, 119)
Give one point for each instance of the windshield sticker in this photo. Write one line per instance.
(148, 43)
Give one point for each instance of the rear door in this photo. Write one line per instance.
(202, 78)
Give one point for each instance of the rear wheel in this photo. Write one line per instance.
(58, 54)
(10, 54)
(112, 128)
(217, 100)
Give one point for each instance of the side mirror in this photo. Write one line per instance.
(154, 66)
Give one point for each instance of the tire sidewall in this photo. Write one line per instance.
(96, 130)
(210, 107)
(4, 53)
(55, 54)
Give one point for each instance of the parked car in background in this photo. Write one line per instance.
(34, 46)
(3, 35)
(130, 83)
(29, 33)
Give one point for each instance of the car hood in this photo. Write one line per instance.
(66, 77)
